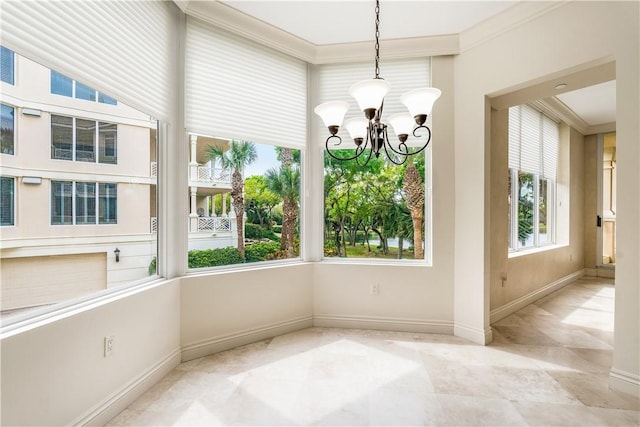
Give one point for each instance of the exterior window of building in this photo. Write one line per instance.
(7, 201)
(108, 143)
(108, 203)
(7, 67)
(85, 92)
(61, 84)
(85, 202)
(75, 139)
(533, 158)
(65, 86)
(7, 126)
(85, 140)
(61, 203)
(78, 202)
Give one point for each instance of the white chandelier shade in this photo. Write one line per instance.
(369, 93)
(357, 128)
(420, 101)
(402, 123)
(332, 113)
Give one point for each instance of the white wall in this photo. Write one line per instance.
(570, 36)
(56, 373)
(224, 309)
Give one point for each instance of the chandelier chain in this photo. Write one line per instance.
(377, 39)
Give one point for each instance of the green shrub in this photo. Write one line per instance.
(256, 232)
(152, 267)
(214, 257)
(253, 231)
(260, 251)
(277, 229)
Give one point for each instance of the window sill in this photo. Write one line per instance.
(531, 251)
(377, 262)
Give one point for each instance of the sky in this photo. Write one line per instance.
(267, 159)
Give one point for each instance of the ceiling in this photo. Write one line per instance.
(328, 22)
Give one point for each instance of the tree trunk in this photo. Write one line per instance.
(400, 245)
(418, 252)
(238, 206)
(290, 209)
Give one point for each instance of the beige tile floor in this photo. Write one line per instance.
(548, 366)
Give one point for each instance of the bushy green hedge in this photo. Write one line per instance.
(214, 257)
(277, 229)
(260, 251)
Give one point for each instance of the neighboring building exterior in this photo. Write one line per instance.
(78, 181)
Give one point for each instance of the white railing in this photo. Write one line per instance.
(154, 224)
(216, 224)
(154, 169)
(206, 174)
(62, 153)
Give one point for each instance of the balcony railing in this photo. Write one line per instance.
(213, 175)
(154, 224)
(154, 169)
(215, 224)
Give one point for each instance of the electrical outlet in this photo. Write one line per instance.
(375, 289)
(109, 344)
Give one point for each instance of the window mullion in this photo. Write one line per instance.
(536, 210)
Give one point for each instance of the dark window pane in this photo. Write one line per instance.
(108, 203)
(85, 203)
(106, 99)
(108, 143)
(85, 140)
(61, 84)
(7, 65)
(6, 129)
(61, 137)
(7, 200)
(61, 202)
(85, 92)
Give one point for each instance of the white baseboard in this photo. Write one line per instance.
(609, 273)
(478, 336)
(515, 305)
(383, 323)
(117, 402)
(625, 382)
(247, 336)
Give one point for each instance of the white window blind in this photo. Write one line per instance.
(533, 142)
(125, 49)
(239, 89)
(336, 79)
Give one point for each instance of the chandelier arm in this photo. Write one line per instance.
(326, 144)
(426, 143)
(404, 157)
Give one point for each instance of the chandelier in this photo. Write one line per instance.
(370, 134)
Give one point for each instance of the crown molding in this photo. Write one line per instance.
(234, 21)
(505, 21)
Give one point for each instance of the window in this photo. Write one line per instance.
(75, 139)
(7, 201)
(61, 85)
(76, 203)
(65, 86)
(7, 126)
(7, 68)
(533, 158)
(250, 219)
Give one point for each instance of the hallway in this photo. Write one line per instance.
(548, 365)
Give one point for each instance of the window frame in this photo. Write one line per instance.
(92, 94)
(13, 200)
(96, 156)
(514, 188)
(12, 78)
(13, 129)
(91, 210)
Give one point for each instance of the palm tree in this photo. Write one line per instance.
(414, 197)
(285, 182)
(239, 155)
